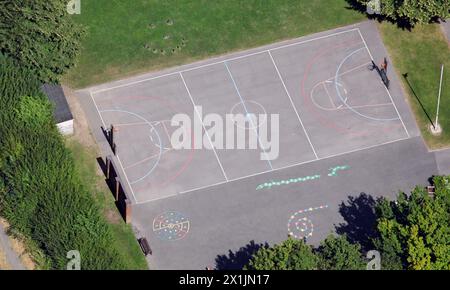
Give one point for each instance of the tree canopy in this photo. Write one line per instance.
(289, 255)
(412, 232)
(40, 35)
(412, 11)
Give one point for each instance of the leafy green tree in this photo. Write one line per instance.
(412, 11)
(414, 231)
(337, 253)
(42, 194)
(40, 35)
(289, 255)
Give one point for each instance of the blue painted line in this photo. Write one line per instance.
(246, 111)
(336, 82)
(157, 135)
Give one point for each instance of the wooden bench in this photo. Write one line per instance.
(145, 247)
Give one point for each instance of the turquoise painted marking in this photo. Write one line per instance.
(332, 172)
(287, 181)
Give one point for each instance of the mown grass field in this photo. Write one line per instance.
(128, 38)
(420, 53)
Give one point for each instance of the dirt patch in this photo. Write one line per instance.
(80, 124)
(3, 263)
(83, 136)
(18, 247)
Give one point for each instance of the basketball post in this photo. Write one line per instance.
(111, 135)
(437, 129)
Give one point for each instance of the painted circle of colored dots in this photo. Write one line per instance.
(171, 226)
(299, 225)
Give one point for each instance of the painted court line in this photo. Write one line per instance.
(203, 125)
(130, 124)
(349, 71)
(389, 93)
(145, 159)
(126, 178)
(293, 105)
(222, 61)
(248, 113)
(275, 170)
(120, 162)
(98, 111)
(329, 96)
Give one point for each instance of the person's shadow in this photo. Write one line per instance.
(360, 220)
(237, 260)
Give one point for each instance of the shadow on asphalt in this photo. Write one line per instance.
(360, 219)
(237, 260)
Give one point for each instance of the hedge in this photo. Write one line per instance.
(41, 195)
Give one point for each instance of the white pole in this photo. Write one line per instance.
(439, 96)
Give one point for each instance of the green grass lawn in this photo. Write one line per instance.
(128, 38)
(420, 53)
(123, 236)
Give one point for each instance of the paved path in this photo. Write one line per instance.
(443, 161)
(11, 256)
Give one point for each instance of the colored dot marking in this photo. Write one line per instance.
(332, 172)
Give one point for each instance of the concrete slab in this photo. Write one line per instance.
(443, 161)
(228, 217)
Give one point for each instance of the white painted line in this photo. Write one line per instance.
(349, 71)
(365, 106)
(439, 149)
(222, 61)
(329, 96)
(131, 124)
(120, 162)
(278, 169)
(293, 105)
(206, 186)
(365, 44)
(98, 111)
(254, 127)
(145, 159)
(165, 129)
(203, 125)
(389, 93)
(126, 178)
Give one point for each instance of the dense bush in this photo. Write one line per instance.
(334, 253)
(40, 35)
(411, 233)
(414, 231)
(410, 11)
(40, 193)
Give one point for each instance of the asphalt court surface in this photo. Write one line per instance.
(341, 134)
(327, 100)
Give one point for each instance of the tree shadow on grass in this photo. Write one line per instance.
(360, 220)
(237, 260)
(401, 23)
